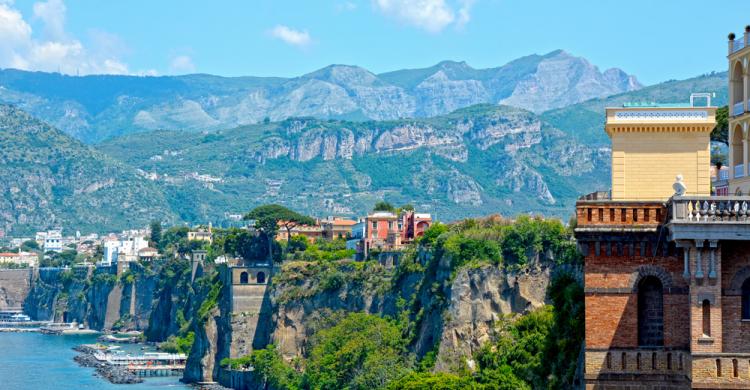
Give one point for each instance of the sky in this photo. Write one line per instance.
(653, 40)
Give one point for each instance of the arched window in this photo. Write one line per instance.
(261, 278)
(706, 318)
(737, 151)
(608, 359)
(736, 80)
(624, 361)
(243, 278)
(650, 312)
(746, 300)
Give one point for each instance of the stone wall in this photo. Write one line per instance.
(15, 285)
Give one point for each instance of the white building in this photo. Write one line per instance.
(122, 250)
(53, 241)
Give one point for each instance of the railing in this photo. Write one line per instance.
(738, 108)
(620, 213)
(711, 209)
(738, 44)
(739, 170)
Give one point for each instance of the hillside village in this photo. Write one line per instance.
(381, 235)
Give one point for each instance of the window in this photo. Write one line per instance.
(261, 278)
(746, 300)
(624, 361)
(609, 361)
(243, 278)
(718, 367)
(706, 318)
(650, 312)
(669, 361)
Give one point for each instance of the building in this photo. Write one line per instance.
(122, 251)
(148, 254)
(20, 258)
(386, 231)
(337, 227)
(720, 180)
(739, 114)
(413, 225)
(52, 240)
(312, 233)
(201, 234)
(667, 265)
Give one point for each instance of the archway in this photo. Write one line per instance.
(746, 299)
(650, 312)
(243, 278)
(738, 151)
(738, 88)
(261, 277)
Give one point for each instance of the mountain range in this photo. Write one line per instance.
(102, 174)
(94, 108)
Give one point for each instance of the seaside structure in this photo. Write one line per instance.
(667, 269)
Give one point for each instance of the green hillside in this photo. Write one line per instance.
(475, 161)
(48, 179)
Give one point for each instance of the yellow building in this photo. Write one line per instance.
(739, 114)
(654, 143)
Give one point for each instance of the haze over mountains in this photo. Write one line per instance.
(93, 108)
(466, 161)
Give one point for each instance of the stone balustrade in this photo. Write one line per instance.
(711, 209)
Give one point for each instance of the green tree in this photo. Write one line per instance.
(383, 206)
(720, 133)
(155, 237)
(362, 351)
(29, 246)
(269, 217)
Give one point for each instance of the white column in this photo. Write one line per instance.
(732, 163)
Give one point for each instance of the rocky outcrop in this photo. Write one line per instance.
(478, 298)
(15, 285)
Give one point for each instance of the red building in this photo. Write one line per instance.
(386, 231)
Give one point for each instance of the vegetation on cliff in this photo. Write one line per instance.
(357, 350)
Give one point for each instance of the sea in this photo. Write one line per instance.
(35, 361)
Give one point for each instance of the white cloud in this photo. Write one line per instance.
(56, 50)
(181, 64)
(52, 14)
(291, 36)
(430, 15)
(464, 12)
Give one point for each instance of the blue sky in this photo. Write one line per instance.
(654, 40)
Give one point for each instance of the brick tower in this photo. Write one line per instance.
(667, 265)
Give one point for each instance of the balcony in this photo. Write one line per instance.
(739, 171)
(737, 45)
(738, 109)
(709, 218)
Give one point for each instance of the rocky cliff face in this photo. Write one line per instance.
(479, 160)
(124, 104)
(15, 285)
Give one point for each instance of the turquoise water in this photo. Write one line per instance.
(34, 361)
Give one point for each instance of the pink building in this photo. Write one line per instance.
(386, 231)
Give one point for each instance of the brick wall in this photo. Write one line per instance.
(736, 332)
(612, 304)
